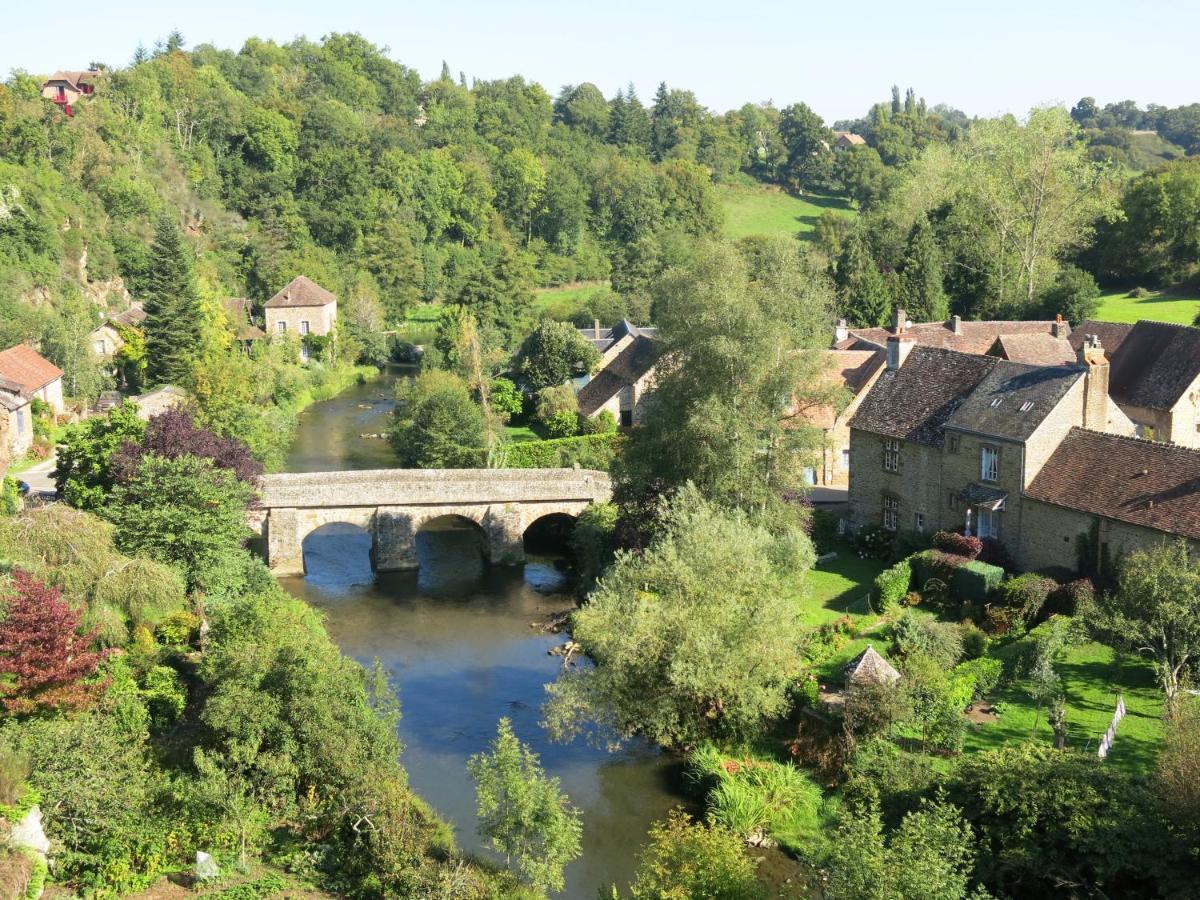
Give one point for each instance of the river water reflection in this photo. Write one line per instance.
(456, 637)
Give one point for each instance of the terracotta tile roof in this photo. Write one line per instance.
(301, 291)
(1154, 365)
(1038, 349)
(1141, 482)
(973, 337)
(914, 402)
(627, 368)
(1111, 334)
(853, 370)
(1014, 399)
(27, 367)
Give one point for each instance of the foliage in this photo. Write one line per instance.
(436, 423)
(1176, 779)
(693, 637)
(687, 860)
(523, 812)
(557, 411)
(918, 635)
(1027, 595)
(552, 354)
(958, 544)
(1074, 295)
(936, 697)
(505, 398)
(45, 663)
(931, 854)
(592, 542)
(974, 580)
(892, 584)
(83, 473)
(174, 433)
(731, 323)
(1156, 610)
(874, 542)
(187, 513)
(590, 451)
(921, 290)
(10, 497)
(173, 324)
(1155, 241)
(985, 672)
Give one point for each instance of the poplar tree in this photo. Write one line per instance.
(921, 291)
(172, 304)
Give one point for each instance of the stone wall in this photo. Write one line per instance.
(320, 319)
(964, 467)
(918, 484)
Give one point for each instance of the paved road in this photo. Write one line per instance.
(38, 477)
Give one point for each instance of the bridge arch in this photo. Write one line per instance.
(549, 533)
(452, 523)
(340, 551)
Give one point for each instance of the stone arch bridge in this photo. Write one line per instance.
(392, 505)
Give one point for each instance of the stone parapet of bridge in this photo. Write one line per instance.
(392, 505)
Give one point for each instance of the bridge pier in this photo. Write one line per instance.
(285, 551)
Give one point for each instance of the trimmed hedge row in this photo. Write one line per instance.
(969, 579)
(589, 451)
(893, 583)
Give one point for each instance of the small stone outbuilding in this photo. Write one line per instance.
(870, 668)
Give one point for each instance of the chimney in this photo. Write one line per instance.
(1095, 385)
(841, 332)
(898, 349)
(1059, 329)
(956, 324)
(596, 328)
(899, 320)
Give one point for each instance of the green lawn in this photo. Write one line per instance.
(839, 587)
(560, 303)
(1179, 306)
(763, 210)
(518, 434)
(1092, 676)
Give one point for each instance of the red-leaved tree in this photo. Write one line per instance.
(44, 660)
(174, 433)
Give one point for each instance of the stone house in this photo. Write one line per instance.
(34, 374)
(239, 312)
(1155, 376)
(16, 420)
(303, 307)
(1036, 349)
(611, 341)
(621, 386)
(947, 440)
(847, 140)
(855, 371)
(64, 88)
(105, 340)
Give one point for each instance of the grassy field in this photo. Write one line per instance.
(766, 210)
(1178, 306)
(560, 303)
(1092, 677)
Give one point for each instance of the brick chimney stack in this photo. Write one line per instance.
(1059, 329)
(899, 320)
(596, 328)
(841, 332)
(898, 349)
(956, 324)
(1095, 386)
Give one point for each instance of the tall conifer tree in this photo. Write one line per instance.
(921, 290)
(866, 297)
(172, 303)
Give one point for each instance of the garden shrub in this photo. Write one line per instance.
(958, 544)
(975, 642)
(1071, 598)
(823, 529)
(935, 565)
(1139, 293)
(177, 629)
(604, 422)
(892, 585)
(917, 635)
(994, 552)
(10, 497)
(906, 543)
(874, 542)
(974, 580)
(985, 671)
(1026, 595)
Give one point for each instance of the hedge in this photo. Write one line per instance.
(958, 544)
(892, 585)
(931, 564)
(974, 580)
(590, 451)
(1026, 595)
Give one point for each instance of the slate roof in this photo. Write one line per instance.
(914, 402)
(1014, 399)
(1038, 349)
(603, 338)
(974, 337)
(27, 367)
(301, 291)
(627, 368)
(870, 667)
(74, 78)
(1111, 335)
(1141, 482)
(1154, 365)
(131, 318)
(12, 395)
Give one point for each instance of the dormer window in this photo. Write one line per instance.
(1027, 406)
(997, 401)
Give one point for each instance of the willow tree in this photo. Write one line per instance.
(740, 333)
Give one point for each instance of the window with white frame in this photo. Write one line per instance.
(919, 521)
(988, 523)
(280, 326)
(989, 463)
(99, 348)
(891, 512)
(891, 455)
(304, 326)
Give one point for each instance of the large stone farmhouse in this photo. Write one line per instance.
(623, 381)
(302, 307)
(1036, 456)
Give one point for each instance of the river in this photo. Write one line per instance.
(456, 637)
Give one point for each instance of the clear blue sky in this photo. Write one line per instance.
(837, 55)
